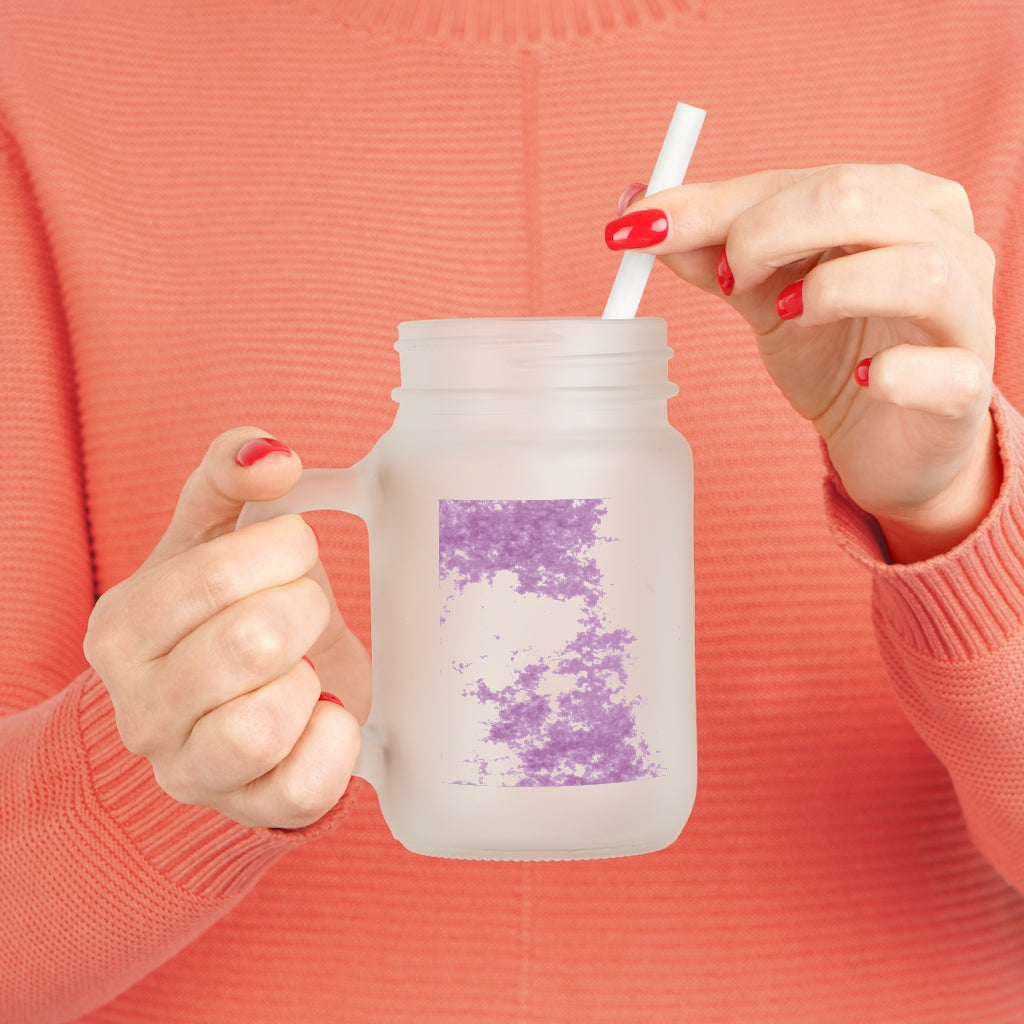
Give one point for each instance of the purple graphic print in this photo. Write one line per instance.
(561, 714)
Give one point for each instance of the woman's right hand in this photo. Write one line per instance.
(871, 299)
(203, 650)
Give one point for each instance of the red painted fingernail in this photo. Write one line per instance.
(637, 230)
(861, 373)
(252, 451)
(331, 698)
(309, 663)
(629, 195)
(724, 274)
(790, 303)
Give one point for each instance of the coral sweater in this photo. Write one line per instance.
(214, 213)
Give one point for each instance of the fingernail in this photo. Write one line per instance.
(330, 698)
(724, 274)
(629, 195)
(309, 663)
(252, 451)
(861, 373)
(790, 303)
(637, 230)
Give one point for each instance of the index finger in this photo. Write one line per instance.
(700, 214)
(173, 598)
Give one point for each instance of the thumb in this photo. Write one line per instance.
(241, 465)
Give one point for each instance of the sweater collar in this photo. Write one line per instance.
(522, 22)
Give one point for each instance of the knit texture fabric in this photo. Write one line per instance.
(214, 214)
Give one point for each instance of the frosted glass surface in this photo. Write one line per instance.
(530, 523)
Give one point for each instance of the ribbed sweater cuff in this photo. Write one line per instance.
(962, 604)
(198, 850)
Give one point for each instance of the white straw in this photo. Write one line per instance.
(674, 158)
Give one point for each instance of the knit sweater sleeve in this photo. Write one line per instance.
(951, 630)
(102, 876)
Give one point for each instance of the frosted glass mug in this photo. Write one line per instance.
(530, 539)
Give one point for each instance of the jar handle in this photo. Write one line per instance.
(340, 490)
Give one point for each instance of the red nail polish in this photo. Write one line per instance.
(252, 451)
(724, 274)
(629, 195)
(861, 373)
(790, 303)
(330, 698)
(637, 230)
(309, 663)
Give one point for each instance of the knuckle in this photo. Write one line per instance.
(178, 783)
(849, 194)
(903, 173)
(96, 642)
(254, 733)
(950, 201)
(970, 383)
(136, 733)
(931, 271)
(254, 641)
(104, 641)
(953, 195)
(775, 181)
(949, 408)
(264, 633)
(327, 759)
(958, 383)
(143, 730)
(221, 581)
(310, 795)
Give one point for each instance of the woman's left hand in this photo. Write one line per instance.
(870, 297)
